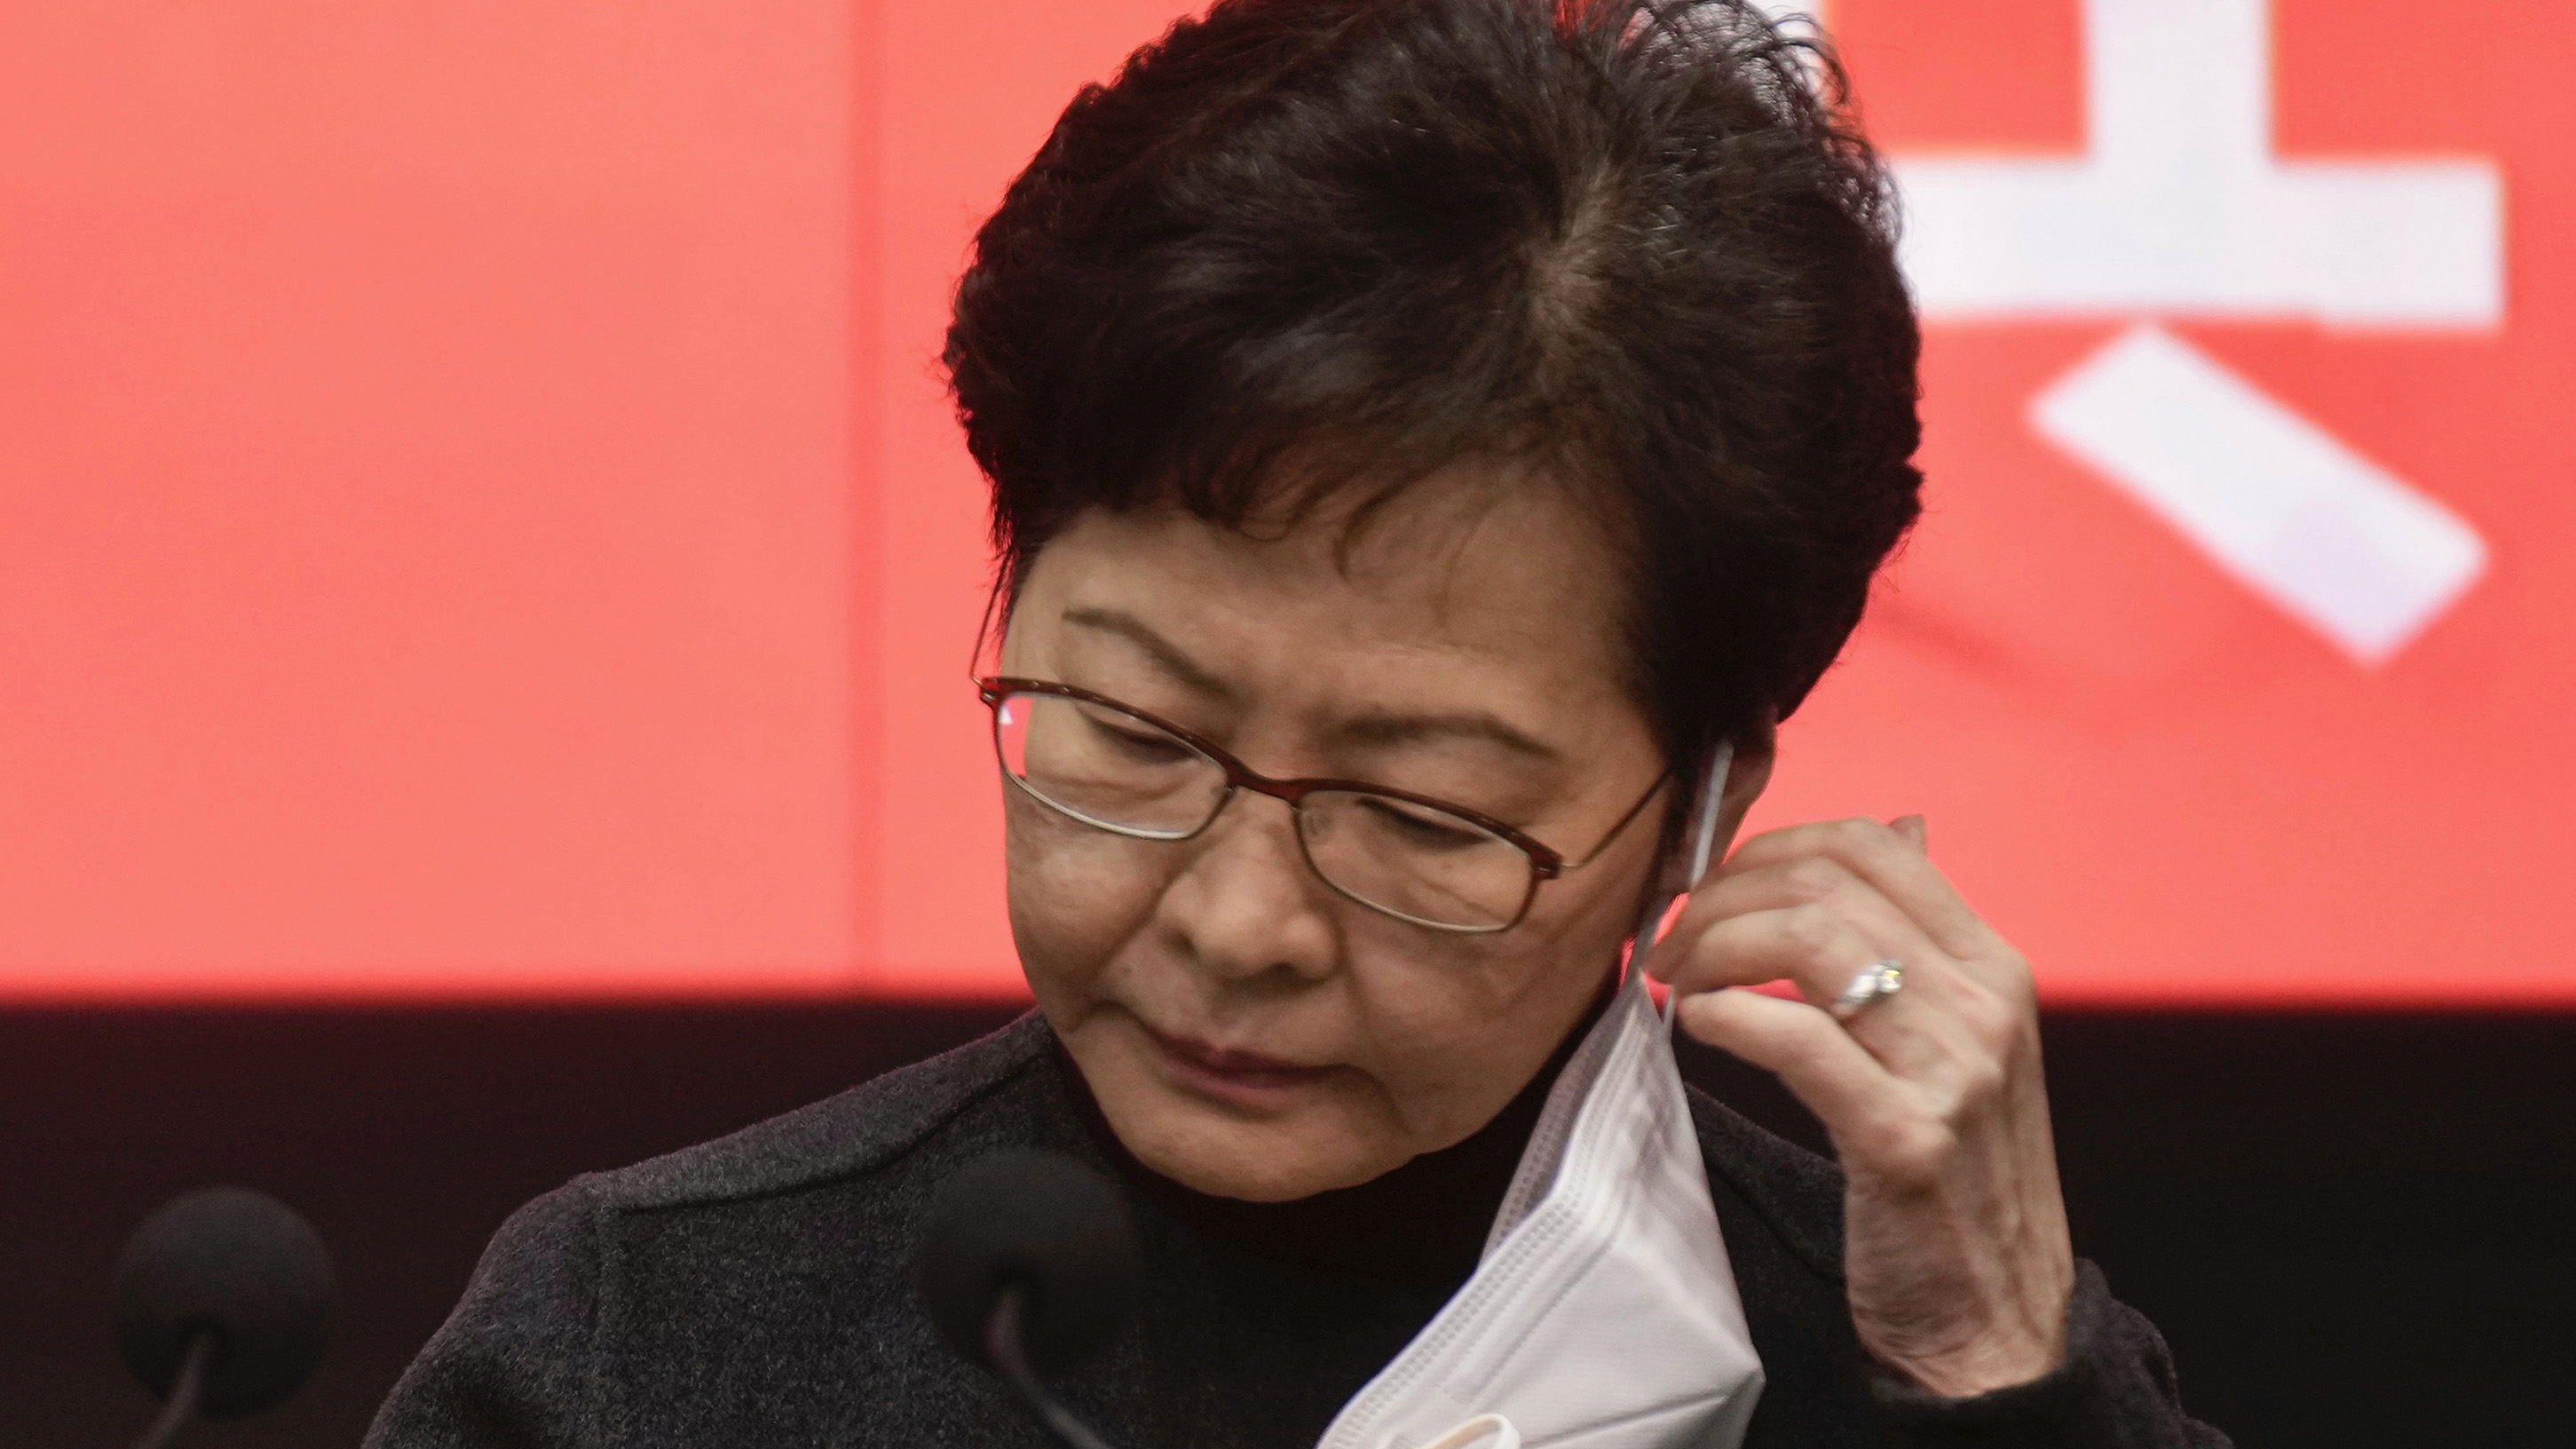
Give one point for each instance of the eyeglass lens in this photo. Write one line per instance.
(1110, 769)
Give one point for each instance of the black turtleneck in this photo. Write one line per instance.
(1269, 1316)
(759, 1290)
(1423, 1223)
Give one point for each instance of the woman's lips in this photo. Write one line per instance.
(1235, 1076)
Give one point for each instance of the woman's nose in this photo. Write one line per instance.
(1247, 905)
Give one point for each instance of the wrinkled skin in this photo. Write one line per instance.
(1957, 1258)
(1251, 1033)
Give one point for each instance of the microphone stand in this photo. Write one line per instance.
(185, 1391)
(1010, 1356)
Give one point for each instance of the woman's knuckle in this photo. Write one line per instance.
(1913, 1151)
(1805, 1052)
(1863, 838)
(1811, 930)
(2015, 984)
(1990, 1020)
(1982, 1079)
(1813, 878)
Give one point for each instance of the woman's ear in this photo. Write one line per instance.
(1748, 771)
(1746, 778)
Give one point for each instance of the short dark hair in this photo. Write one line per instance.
(1302, 245)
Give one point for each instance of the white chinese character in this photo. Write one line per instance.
(2178, 208)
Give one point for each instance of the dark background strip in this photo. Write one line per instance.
(2355, 1229)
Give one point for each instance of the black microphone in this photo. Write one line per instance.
(223, 1305)
(1027, 1264)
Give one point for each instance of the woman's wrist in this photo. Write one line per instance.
(1985, 1367)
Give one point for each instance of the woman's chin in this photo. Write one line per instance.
(1276, 1158)
(1231, 1129)
(1256, 1166)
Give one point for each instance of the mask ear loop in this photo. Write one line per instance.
(1705, 800)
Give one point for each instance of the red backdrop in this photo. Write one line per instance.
(477, 516)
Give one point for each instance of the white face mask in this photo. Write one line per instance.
(1604, 1313)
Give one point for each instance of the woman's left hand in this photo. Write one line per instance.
(1956, 1252)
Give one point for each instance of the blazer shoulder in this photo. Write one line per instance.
(841, 1135)
(1795, 1193)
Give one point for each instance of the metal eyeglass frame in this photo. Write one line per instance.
(1545, 863)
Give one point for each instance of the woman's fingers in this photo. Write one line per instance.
(1948, 1034)
(1816, 861)
(1814, 918)
(1956, 1257)
(1888, 1125)
(1817, 946)
(1916, 831)
(1883, 856)
(1915, 1033)
(1828, 1070)
(1857, 1098)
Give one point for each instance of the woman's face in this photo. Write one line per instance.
(1248, 1031)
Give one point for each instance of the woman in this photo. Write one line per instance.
(1426, 437)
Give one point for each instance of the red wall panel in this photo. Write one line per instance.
(478, 517)
(425, 487)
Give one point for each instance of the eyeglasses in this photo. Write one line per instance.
(1116, 768)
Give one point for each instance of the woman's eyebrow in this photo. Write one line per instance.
(1166, 655)
(1405, 729)
(1366, 729)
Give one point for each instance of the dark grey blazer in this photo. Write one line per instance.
(755, 1291)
